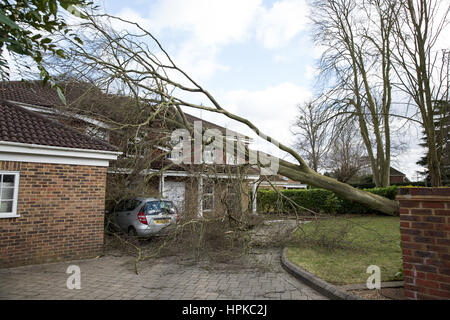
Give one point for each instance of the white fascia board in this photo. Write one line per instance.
(173, 173)
(23, 152)
(275, 183)
(295, 186)
(41, 109)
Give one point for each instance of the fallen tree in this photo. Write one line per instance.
(134, 63)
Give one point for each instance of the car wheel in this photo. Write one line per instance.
(132, 232)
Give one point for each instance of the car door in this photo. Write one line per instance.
(122, 214)
(129, 214)
(116, 213)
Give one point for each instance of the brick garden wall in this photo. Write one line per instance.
(61, 210)
(425, 233)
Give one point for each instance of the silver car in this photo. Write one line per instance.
(145, 216)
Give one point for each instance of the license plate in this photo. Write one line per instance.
(162, 221)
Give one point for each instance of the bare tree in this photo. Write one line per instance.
(313, 131)
(357, 62)
(347, 154)
(136, 63)
(422, 67)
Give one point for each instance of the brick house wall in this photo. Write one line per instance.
(397, 179)
(425, 234)
(61, 210)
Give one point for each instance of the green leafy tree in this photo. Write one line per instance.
(26, 29)
(442, 125)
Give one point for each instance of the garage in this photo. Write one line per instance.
(175, 191)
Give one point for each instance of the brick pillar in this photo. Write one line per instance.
(425, 234)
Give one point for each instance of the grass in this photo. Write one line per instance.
(339, 250)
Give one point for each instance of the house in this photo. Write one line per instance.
(199, 189)
(365, 176)
(395, 176)
(52, 189)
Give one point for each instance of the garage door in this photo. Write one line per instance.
(175, 191)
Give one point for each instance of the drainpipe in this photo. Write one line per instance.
(200, 196)
(255, 194)
(161, 185)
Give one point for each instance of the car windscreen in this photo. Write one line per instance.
(156, 207)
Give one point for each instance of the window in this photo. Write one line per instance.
(135, 147)
(208, 196)
(156, 207)
(231, 153)
(178, 155)
(98, 133)
(9, 190)
(131, 204)
(231, 159)
(209, 155)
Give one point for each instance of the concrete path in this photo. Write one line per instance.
(113, 277)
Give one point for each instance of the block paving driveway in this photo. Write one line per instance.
(113, 277)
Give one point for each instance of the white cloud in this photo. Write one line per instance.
(223, 22)
(311, 72)
(199, 61)
(280, 58)
(208, 26)
(209, 22)
(282, 22)
(272, 110)
(129, 14)
(406, 162)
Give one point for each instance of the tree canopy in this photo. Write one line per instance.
(27, 28)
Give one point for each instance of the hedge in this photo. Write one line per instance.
(317, 200)
(398, 184)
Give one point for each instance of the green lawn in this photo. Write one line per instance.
(339, 250)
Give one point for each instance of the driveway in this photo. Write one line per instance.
(113, 277)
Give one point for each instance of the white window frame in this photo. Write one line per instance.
(209, 155)
(13, 213)
(211, 183)
(231, 159)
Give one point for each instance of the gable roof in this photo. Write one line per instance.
(23, 126)
(35, 94)
(395, 172)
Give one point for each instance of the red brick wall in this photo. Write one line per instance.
(61, 210)
(397, 179)
(425, 232)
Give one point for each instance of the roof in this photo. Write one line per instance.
(34, 93)
(395, 172)
(23, 126)
(209, 125)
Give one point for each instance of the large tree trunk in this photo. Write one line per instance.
(434, 166)
(343, 190)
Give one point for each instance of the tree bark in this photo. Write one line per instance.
(343, 190)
